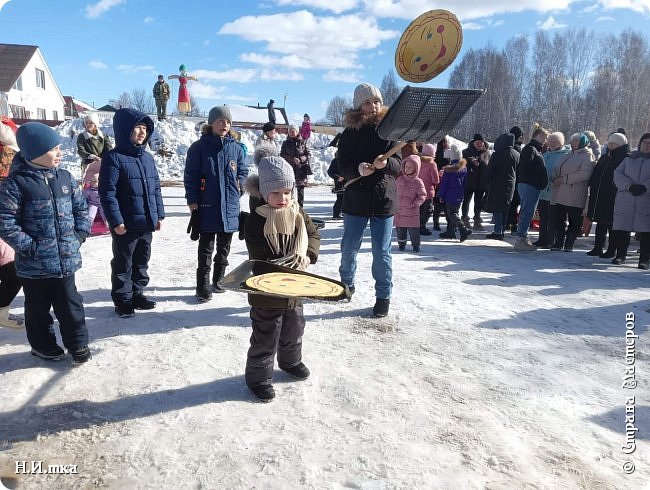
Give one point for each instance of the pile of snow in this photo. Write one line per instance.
(175, 135)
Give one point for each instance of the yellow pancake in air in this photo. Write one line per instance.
(288, 284)
(428, 46)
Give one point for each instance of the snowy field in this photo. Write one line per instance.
(495, 369)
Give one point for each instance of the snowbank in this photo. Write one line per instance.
(177, 134)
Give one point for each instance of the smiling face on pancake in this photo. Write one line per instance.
(428, 46)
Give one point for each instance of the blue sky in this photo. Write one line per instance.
(246, 52)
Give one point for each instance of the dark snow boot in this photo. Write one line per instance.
(568, 243)
(217, 276)
(610, 253)
(464, 234)
(449, 234)
(203, 293)
(299, 371)
(381, 307)
(264, 393)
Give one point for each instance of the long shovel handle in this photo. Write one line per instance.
(398, 146)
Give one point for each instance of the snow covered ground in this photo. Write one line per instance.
(495, 369)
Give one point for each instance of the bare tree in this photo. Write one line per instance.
(336, 110)
(389, 88)
(122, 101)
(141, 101)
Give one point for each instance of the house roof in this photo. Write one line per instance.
(79, 105)
(13, 60)
(108, 108)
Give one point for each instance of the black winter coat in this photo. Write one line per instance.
(531, 169)
(602, 191)
(501, 174)
(441, 161)
(376, 194)
(297, 148)
(477, 162)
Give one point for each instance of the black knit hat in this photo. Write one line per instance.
(516, 130)
(269, 126)
(478, 137)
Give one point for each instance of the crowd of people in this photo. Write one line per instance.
(46, 215)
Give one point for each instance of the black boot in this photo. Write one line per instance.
(203, 293)
(610, 253)
(217, 276)
(569, 241)
(381, 307)
(436, 223)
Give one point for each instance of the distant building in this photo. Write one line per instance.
(74, 108)
(107, 108)
(27, 87)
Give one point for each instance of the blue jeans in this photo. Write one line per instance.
(499, 218)
(529, 196)
(381, 229)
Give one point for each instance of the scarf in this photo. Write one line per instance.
(89, 135)
(285, 233)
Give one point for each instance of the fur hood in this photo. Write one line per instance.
(252, 186)
(355, 119)
(456, 167)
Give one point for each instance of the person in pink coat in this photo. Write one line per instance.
(411, 193)
(429, 175)
(9, 286)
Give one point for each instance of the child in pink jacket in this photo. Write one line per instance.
(9, 286)
(429, 175)
(411, 193)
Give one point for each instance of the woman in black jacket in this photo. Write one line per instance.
(371, 196)
(602, 193)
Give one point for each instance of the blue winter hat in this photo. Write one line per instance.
(35, 139)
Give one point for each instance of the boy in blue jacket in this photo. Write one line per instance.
(215, 170)
(129, 191)
(43, 217)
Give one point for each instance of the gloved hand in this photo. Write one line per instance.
(637, 189)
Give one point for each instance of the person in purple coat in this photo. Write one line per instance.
(452, 192)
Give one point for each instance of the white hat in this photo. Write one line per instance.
(92, 117)
(363, 92)
(618, 138)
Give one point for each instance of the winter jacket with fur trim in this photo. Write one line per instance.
(411, 193)
(376, 194)
(452, 185)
